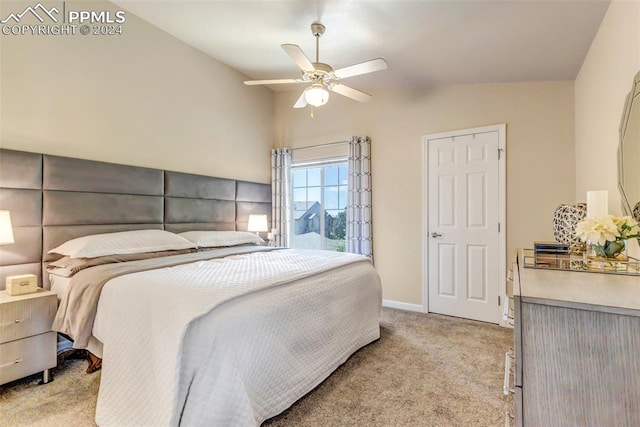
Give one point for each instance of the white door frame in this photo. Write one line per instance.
(502, 150)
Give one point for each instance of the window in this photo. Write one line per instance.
(319, 206)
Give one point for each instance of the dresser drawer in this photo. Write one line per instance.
(27, 356)
(26, 316)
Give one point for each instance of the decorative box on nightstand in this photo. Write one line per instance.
(27, 343)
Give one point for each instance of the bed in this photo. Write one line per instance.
(224, 336)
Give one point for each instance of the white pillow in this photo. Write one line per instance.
(125, 242)
(214, 239)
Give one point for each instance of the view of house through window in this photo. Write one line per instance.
(319, 206)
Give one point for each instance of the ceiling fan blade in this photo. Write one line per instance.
(272, 82)
(298, 57)
(350, 92)
(301, 102)
(371, 66)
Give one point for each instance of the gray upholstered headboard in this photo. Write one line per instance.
(53, 199)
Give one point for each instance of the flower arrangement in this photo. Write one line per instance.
(607, 235)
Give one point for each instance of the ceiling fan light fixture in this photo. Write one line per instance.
(316, 95)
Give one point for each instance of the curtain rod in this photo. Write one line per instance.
(320, 145)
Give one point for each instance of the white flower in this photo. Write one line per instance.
(627, 226)
(598, 230)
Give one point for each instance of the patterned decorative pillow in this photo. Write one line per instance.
(565, 219)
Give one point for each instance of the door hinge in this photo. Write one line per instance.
(498, 227)
(499, 301)
(499, 153)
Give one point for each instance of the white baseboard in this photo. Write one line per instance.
(402, 305)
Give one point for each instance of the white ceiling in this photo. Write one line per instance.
(425, 42)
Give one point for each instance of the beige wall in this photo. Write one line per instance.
(600, 91)
(540, 158)
(143, 98)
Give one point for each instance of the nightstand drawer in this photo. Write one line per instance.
(27, 356)
(24, 316)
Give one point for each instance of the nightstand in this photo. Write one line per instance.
(27, 343)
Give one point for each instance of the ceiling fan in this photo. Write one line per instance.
(322, 77)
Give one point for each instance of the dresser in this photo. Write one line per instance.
(27, 343)
(577, 348)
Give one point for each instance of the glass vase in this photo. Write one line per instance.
(610, 257)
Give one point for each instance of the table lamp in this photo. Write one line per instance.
(6, 231)
(258, 223)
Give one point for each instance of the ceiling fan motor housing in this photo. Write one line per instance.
(317, 29)
(322, 73)
(321, 66)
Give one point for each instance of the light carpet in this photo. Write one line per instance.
(426, 370)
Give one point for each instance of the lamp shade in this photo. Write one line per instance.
(6, 232)
(316, 95)
(257, 223)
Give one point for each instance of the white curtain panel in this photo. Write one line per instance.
(359, 236)
(280, 167)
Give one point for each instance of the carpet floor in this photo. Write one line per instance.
(426, 370)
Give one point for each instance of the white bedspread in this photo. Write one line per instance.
(232, 341)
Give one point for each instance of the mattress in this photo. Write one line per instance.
(230, 341)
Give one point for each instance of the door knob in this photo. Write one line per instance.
(434, 234)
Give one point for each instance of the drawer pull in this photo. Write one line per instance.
(11, 323)
(506, 387)
(508, 416)
(15, 362)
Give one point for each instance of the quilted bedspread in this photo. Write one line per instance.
(230, 341)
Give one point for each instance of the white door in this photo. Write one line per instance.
(463, 225)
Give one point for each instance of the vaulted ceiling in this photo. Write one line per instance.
(425, 42)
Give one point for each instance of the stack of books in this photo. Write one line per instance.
(551, 254)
